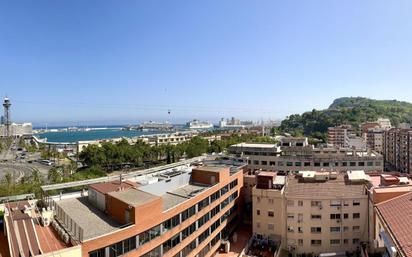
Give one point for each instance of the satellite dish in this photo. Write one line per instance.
(168, 111)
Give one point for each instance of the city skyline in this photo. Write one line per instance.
(111, 62)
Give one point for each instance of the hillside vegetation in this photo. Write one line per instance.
(346, 110)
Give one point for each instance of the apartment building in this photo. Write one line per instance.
(176, 213)
(374, 139)
(339, 135)
(271, 157)
(311, 212)
(398, 150)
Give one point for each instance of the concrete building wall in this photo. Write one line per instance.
(348, 232)
(97, 199)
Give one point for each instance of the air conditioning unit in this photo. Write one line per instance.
(338, 207)
(337, 221)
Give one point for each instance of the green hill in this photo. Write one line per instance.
(346, 110)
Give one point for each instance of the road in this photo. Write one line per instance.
(20, 163)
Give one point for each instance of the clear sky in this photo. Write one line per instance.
(124, 61)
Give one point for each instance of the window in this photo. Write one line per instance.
(290, 203)
(317, 164)
(291, 229)
(215, 211)
(203, 220)
(255, 162)
(224, 190)
(257, 212)
(202, 204)
(271, 214)
(316, 203)
(361, 164)
(344, 164)
(300, 242)
(352, 164)
(345, 241)
(300, 203)
(271, 226)
(289, 164)
(316, 216)
(355, 228)
(326, 164)
(298, 164)
(291, 216)
(149, 235)
(315, 230)
(345, 215)
(300, 217)
(335, 216)
(272, 163)
(188, 231)
(356, 215)
(98, 253)
(306, 164)
(271, 201)
(153, 253)
(334, 229)
(335, 203)
(300, 230)
(188, 213)
(316, 242)
(355, 241)
(335, 241)
(356, 202)
(370, 164)
(214, 196)
(258, 199)
(264, 163)
(345, 229)
(172, 242)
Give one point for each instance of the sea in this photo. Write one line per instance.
(92, 134)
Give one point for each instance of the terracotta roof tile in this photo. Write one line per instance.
(397, 213)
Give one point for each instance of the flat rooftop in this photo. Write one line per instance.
(93, 221)
(330, 188)
(133, 196)
(252, 145)
(181, 194)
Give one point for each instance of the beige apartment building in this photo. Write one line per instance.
(311, 212)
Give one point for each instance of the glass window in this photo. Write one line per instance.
(335, 241)
(356, 215)
(334, 229)
(315, 230)
(316, 242)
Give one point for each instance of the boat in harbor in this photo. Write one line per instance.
(199, 125)
(150, 126)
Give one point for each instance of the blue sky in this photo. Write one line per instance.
(124, 61)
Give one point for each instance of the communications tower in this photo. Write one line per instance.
(7, 121)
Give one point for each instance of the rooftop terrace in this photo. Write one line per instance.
(93, 221)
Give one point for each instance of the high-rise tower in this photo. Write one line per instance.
(7, 121)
